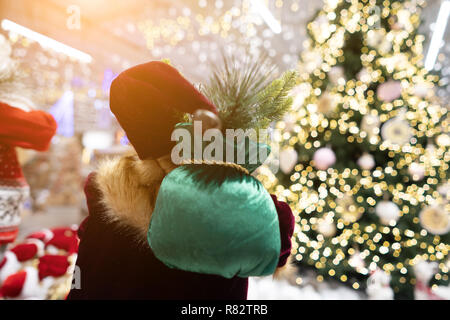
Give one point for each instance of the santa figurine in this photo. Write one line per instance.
(424, 271)
(209, 259)
(20, 126)
(378, 287)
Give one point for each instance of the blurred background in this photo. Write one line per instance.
(71, 50)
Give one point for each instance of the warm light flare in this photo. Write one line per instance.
(46, 42)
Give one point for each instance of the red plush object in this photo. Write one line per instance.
(64, 231)
(145, 99)
(44, 235)
(31, 130)
(65, 241)
(25, 251)
(8, 234)
(53, 266)
(12, 286)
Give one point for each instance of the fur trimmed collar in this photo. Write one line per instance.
(129, 187)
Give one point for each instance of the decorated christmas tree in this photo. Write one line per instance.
(364, 154)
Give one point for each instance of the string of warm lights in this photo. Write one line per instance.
(189, 24)
(383, 203)
(241, 26)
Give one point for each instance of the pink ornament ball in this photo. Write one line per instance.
(324, 158)
(389, 91)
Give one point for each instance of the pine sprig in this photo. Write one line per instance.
(245, 96)
(274, 100)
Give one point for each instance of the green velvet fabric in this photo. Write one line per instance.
(215, 220)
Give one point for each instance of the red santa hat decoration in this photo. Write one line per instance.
(65, 239)
(44, 235)
(145, 99)
(19, 256)
(26, 285)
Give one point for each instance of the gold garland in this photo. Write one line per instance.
(214, 162)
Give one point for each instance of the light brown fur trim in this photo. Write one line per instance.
(129, 187)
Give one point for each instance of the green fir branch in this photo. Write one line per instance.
(245, 96)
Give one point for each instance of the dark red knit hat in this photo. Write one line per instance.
(145, 100)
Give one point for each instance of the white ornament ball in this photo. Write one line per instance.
(385, 46)
(364, 76)
(421, 90)
(378, 40)
(335, 74)
(366, 162)
(375, 38)
(417, 171)
(324, 158)
(326, 227)
(371, 124)
(288, 160)
(388, 212)
(357, 262)
(443, 140)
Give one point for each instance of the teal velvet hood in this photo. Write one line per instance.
(215, 220)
